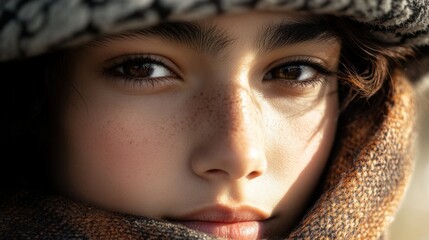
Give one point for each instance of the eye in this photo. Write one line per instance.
(292, 73)
(144, 69)
(140, 70)
(299, 72)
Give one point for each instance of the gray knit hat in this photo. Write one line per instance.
(31, 27)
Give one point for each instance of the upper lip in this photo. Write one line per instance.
(224, 214)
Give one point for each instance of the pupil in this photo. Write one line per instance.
(289, 72)
(138, 70)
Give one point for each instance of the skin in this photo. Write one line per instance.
(214, 133)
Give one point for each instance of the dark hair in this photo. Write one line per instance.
(366, 65)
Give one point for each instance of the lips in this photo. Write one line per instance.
(237, 230)
(230, 223)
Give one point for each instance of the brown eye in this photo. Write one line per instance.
(292, 73)
(137, 69)
(139, 72)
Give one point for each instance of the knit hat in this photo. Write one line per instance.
(370, 167)
(30, 27)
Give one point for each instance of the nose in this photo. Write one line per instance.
(232, 143)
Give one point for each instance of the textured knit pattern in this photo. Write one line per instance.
(367, 179)
(37, 216)
(30, 27)
(362, 191)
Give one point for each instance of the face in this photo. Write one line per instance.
(223, 125)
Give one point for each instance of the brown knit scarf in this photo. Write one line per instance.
(362, 189)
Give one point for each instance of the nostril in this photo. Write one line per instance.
(253, 175)
(215, 171)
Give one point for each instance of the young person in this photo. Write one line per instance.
(240, 125)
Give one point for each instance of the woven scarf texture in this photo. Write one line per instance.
(370, 166)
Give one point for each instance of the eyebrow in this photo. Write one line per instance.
(287, 33)
(212, 40)
(203, 39)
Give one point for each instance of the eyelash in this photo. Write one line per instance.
(111, 71)
(323, 73)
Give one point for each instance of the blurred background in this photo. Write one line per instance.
(412, 221)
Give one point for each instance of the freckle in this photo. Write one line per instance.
(131, 142)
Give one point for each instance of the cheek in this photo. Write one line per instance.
(111, 151)
(306, 140)
(110, 140)
(305, 131)
(304, 145)
(309, 137)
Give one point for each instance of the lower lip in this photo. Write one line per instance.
(234, 230)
